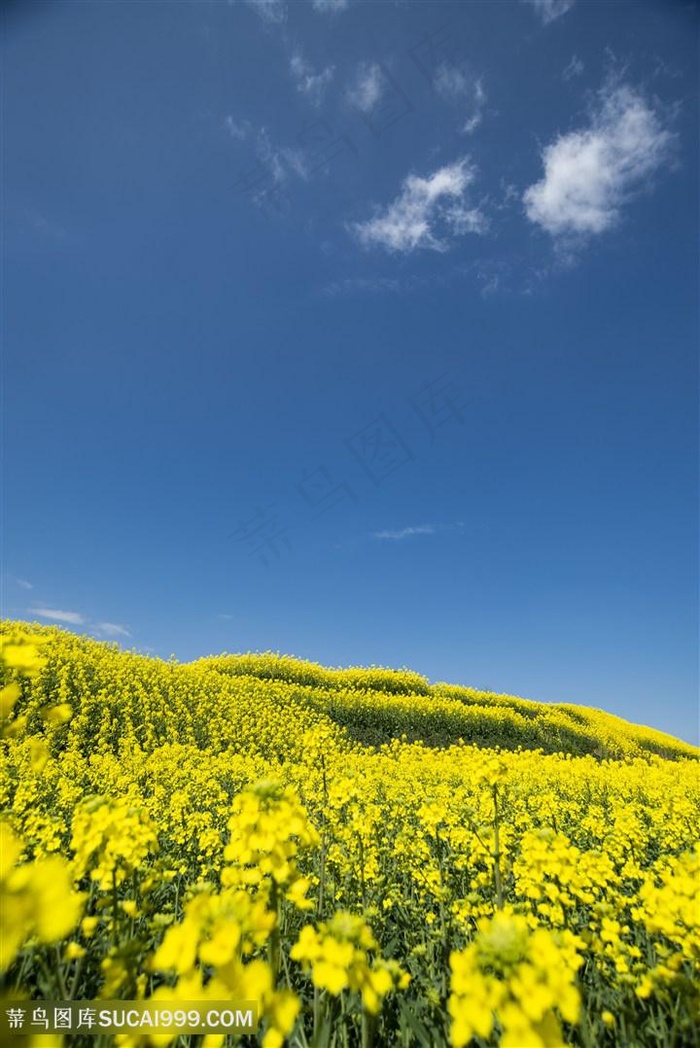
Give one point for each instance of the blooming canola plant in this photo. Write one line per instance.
(372, 859)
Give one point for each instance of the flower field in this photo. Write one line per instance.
(373, 859)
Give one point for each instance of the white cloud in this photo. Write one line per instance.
(510, 194)
(590, 174)
(271, 11)
(330, 6)
(574, 68)
(476, 114)
(405, 533)
(307, 81)
(363, 285)
(72, 617)
(265, 178)
(112, 629)
(368, 87)
(406, 284)
(451, 82)
(23, 584)
(271, 157)
(550, 10)
(238, 129)
(458, 85)
(425, 212)
(37, 224)
(280, 161)
(490, 276)
(420, 529)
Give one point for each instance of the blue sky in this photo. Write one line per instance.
(363, 332)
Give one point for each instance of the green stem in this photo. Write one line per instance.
(317, 1002)
(23, 968)
(362, 872)
(59, 975)
(76, 976)
(43, 967)
(115, 909)
(273, 943)
(497, 850)
(444, 937)
(367, 1030)
(676, 1011)
(585, 1029)
(322, 879)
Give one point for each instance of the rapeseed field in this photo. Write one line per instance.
(375, 860)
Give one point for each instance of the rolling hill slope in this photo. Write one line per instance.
(369, 706)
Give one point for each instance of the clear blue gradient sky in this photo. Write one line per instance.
(363, 332)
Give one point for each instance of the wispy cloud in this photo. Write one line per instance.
(112, 629)
(427, 213)
(238, 129)
(394, 285)
(574, 68)
(457, 84)
(405, 533)
(476, 113)
(45, 227)
(281, 161)
(270, 166)
(590, 174)
(363, 285)
(410, 532)
(490, 276)
(74, 618)
(332, 7)
(308, 82)
(368, 87)
(271, 11)
(549, 10)
(23, 584)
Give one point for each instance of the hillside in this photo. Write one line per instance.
(370, 706)
(375, 705)
(367, 856)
